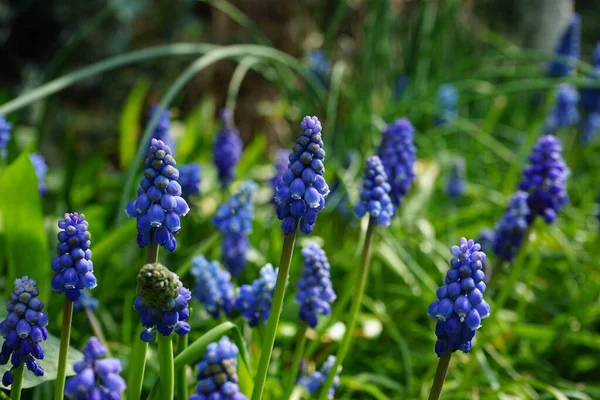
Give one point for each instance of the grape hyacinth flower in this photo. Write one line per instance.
(213, 287)
(590, 96)
(41, 169)
(315, 381)
(447, 100)
(281, 165)
(254, 301)
(73, 267)
(398, 155)
(162, 302)
(455, 184)
(375, 195)
(301, 192)
(315, 292)
(23, 329)
(400, 84)
(217, 373)
(5, 129)
(234, 220)
(319, 65)
(96, 377)
(162, 131)
(486, 239)
(460, 306)
(511, 229)
(565, 113)
(227, 149)
(86, 302)
(545, 180)
(190, 179)
(568, 46)
(159, 204)
(590, 125)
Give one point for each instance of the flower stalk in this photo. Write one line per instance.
(180, 378)
(440, 375)
(167, 368)
(15, 388)
(63, 352)
(296, 359)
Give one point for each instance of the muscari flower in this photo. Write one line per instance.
(162, 302)
(460, 306)
(41, 169)
(398, 155)
(565, 113)
(447, 100)
(97, 378)
(302, 190)
(5, 129)
(568, 46)
(23, 330)
(511, 229)
(227, 149)
(217, 373)
(486, 239)
(315, 292)
(73, 267)
(281, 165)
(590, 103)
(545, 179)
(190, 179)
(213, 287)
(319, 65)
(254, 301)
(234, 220)
(85, 302)
(162, 130)
(159, 204)
(590, 124)
(375, 195)
(400, 84)
(314, 381)
(455, 183)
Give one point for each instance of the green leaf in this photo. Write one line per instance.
(118, 238)
(49, 363)
(26, 245)
(130, 121)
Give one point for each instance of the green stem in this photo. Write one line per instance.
(181, 386)
(354, 309)
(298, 353)
(167, 368)
(269, 338)
(517, 265)
(15, 388)
(63, 352)
(440, 375)
(137, 368)
(152, 254)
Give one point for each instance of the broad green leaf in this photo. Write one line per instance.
(129, 125)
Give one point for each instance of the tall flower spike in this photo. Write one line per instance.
(73, 267)
(162, 131)
(5, 129)
(455, 184)
(398, 155)
(447, 101)
(460, 307)
(319, 65)
(565, 113)
(41, 169)
(96, 377)
(375, 195)
(217, 373)
(569, 47)
(545, 180)
(590, 103)
(254, 301)
(315, 292)
(213, 287)
(301, 192)
(590, 125)
(227, 149)
(281, 165)
(314, 382)
(234, 220)
(190, 177)
(159, 204)
(162, 302)
(511, 229)
(23, 329)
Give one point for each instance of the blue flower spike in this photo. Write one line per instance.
(214, 288)
(5, 130)
(447, 101)
(315, 292)
(41, 169)
(569, 47)
(301, 192)
(190, 178)
(254, 301)
(313, 382)
(565, 113)
(23, 329)
(375, 195)
(86, 302)
(227, 149)
(460, 306)
(511, 229)
(455, 184)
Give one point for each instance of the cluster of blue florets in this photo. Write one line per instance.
(5, 129)
(301, 192)
(86, 302)
(398, 155)
(455, 184)
(590, 102)
(319, 65)
(511, 229)
(162, 130)
(41, 169)
(254, 301)
(96, 377)
(190, 178)
(314, 381)
(234, 220)
(159, 204)
(73, 267)
(227, 149)
(460, 306)
(23, 330)
(315, 292)
(447, 101)
(565, 113)
(375, 195)
(217, 373)
(213, 287)
(569, 47)
(545, 179)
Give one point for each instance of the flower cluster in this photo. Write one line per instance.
(41, 169)
(590, 102)
(281, 165)
(375, 195)
(590, 124)
(73, 267)
(315, 292)
(400, 85)
(162, 130)
(254, 301)
(545, 179)
(314, 381)
(5, 128)
(234, 220)
(227, 149)
(162, 302)
(23, 329)
(217, 373)
(86, 302)
(190, 179)
(565, 113)
(398, 155)
(511, 229)
(96, 377)
(302, 189)
(569, 47)
(455, 184)
(447, 100)
(159, 204)
(319, 65)
(460, 306)
(213, 287)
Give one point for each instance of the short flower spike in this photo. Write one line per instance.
(511, 229)
(227, 149)
(214, 288)
(375, 195)
(254, 301)
(314, 381)
(569, 47)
